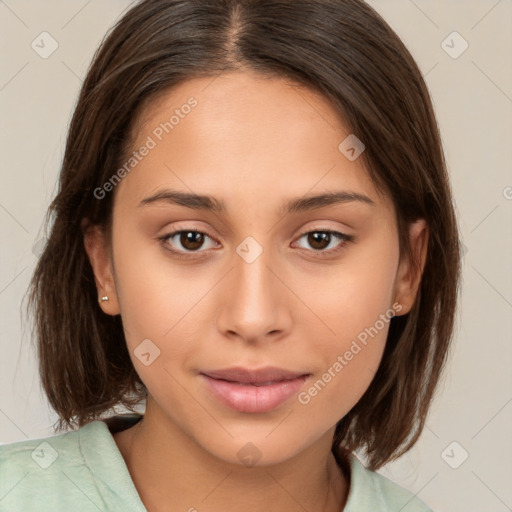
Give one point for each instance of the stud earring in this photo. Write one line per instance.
(103, 299)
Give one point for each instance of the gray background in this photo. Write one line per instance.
(473, 98)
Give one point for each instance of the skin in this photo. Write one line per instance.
(254, 143)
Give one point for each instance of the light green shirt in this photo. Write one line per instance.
(83, 470)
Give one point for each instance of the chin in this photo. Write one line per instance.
(258, 447)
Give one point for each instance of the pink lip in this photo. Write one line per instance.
(253, 390)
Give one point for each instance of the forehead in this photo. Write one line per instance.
(244, 134)
(233, 95)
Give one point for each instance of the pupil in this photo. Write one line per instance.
(317, 240)
(191, 240)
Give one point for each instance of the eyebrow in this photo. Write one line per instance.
(212, 204)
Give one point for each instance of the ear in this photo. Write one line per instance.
(410, 272)
(98, 250)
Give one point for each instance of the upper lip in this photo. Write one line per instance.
(255, 376)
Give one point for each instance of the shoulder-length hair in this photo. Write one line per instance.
(340, 48)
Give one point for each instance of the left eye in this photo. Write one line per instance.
(320, 240)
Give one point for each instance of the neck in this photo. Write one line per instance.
(171, 472)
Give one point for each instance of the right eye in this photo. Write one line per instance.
(190, 240)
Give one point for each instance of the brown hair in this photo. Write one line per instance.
(340, 48)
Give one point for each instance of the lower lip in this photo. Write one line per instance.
(249, 398)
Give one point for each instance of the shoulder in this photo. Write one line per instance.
(37, 454)
(74, 470)
(370, 491)
(29, 469)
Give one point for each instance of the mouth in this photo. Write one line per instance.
(253, 391)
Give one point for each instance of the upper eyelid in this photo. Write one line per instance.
(180, 229)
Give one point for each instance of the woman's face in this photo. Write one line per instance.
(261, 284)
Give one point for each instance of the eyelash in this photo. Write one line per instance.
(321, 253)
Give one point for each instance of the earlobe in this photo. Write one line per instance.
(410, 272)
(98, 251)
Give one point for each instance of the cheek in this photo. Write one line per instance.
(160, 302)
(153, 292)
(349, 358)
(355, 307)
(351, 296)
(161, 308)
(335, 391)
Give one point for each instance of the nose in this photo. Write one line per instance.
(254, 301)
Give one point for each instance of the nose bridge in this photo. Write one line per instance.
(252, 306)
